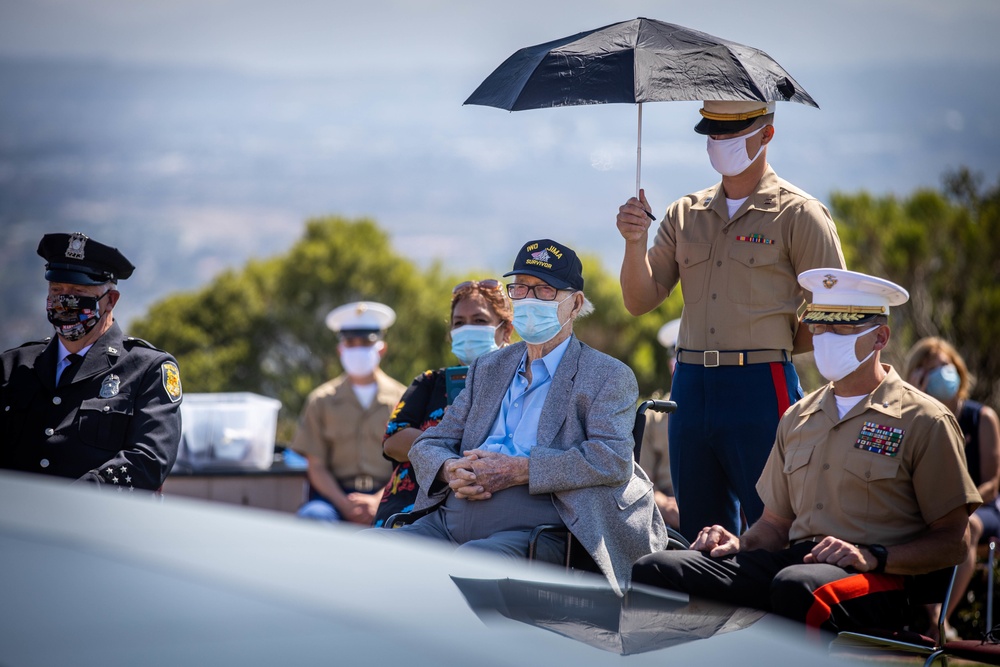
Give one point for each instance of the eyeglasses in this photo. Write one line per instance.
(842, 329)
(489, 284)
(517, 291)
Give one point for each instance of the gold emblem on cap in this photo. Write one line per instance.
(77, 242)
(829, 281)
(824, 313)
(362, 307)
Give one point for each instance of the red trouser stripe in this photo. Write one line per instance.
(849, 588)
(780, 386)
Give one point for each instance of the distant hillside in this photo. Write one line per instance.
(191, 171)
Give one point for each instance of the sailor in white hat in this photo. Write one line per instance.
(735, 249)
(865, 486)
(340, 430)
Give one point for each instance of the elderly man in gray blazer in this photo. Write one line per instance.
(542, 433)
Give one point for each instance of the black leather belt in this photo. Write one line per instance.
(714, 358)
(362, 483)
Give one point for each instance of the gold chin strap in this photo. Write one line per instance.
(734, 116)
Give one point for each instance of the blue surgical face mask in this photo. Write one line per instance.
(471, 341)
(537, 321)
(943, 382)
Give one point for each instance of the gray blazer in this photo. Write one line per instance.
(583, 456)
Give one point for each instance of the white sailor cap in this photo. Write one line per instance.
(667, 335)
(848, 297)
(361, 319)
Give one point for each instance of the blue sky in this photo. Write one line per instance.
(219, 126)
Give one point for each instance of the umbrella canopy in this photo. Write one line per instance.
(636, 61)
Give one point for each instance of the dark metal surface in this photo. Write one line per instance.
(90, 578)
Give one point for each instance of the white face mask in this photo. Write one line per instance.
(537, 321)
(361, 361)
(729, 156)
(834, 354)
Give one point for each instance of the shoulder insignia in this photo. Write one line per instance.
(131, 341)
(44, 341)
(171, 380)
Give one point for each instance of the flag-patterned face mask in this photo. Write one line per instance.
(72, 315)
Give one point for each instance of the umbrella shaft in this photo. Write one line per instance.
(638, 153)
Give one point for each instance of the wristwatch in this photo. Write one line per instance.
(881, 554)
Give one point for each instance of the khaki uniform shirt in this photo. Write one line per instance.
(655, 455)
(346, 437)
(893, 465)
(739, 277)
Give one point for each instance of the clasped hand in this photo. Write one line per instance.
(479, 473)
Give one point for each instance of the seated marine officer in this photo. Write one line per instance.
(866, 483)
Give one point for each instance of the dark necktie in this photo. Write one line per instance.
(68, 372)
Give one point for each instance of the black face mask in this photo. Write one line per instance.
(74, 316)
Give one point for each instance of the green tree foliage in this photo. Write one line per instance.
(612, 330)
(262, 329)
(944, 247)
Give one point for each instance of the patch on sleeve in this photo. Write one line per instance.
(884, 440)
(171, 380)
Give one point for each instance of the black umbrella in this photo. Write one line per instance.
(636, 61)
(638, 622)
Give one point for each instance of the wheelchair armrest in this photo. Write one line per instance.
(657, 405)
(675, 540)
(540, 530)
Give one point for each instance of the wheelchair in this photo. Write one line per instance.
(576, 557)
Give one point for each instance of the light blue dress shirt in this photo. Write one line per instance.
(515, 431)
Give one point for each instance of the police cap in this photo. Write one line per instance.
(79, 260)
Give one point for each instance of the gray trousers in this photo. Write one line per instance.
(500, 525)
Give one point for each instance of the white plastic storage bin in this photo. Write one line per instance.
(228, 430)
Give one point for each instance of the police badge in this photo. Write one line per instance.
(77, 242)
(110, 386)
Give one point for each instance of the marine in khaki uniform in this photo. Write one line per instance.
(866, 483)
(341, 426)
(735, 249)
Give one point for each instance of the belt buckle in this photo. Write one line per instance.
(364, 483)
(705, 359)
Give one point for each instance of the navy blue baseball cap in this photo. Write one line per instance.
(552, 262)
(79, 260)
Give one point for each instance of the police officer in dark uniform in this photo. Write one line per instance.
(90, 403)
